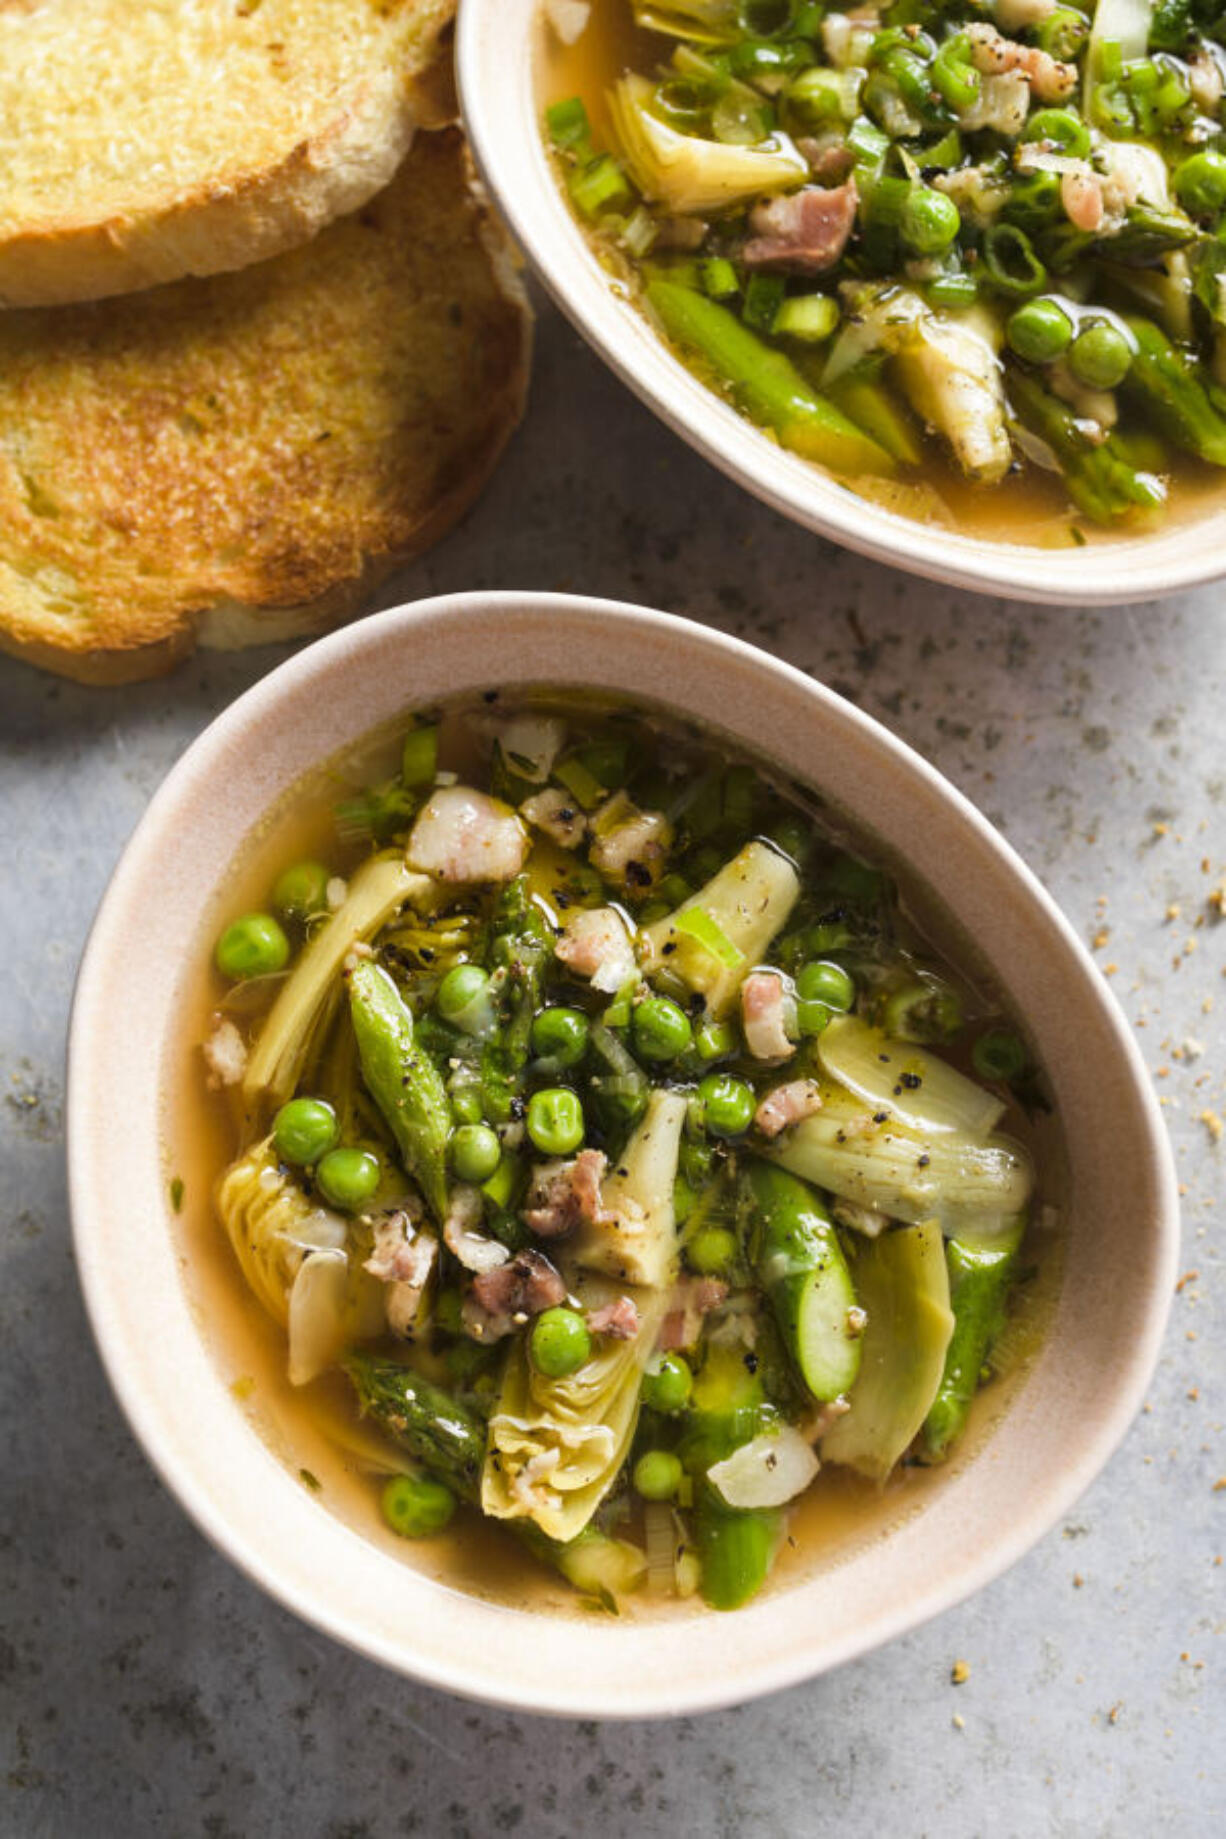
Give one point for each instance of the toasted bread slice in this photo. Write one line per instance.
(243, 457)
(145, 140)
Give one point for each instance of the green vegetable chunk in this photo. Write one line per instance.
(980, 1273)
(1170, 385)
(667, 1388)
(560, 1037)
(803, 1271)
(253, 946)
(1039, 331)
(1100, 356)
(661, 1029)
(768, 384)
(402, 1079)
(736, 1548)
(1101, 478)
(416, 1507)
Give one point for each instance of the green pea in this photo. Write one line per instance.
(475, 1152)
(657, 1475)
(727, 1104)
(999, 1054)
(1199, 183)
(462, 985)
(560, 1036)
(929, 221)
(304, 1130)
(661, 1029)
(1039, 331)
(1100, 356)
(824, 982)
(668, 1388)
(415, 1506)
(560, 1343)
(715, 1041)
(555, 1121)
(348, 1178)
(253, 946)
(301, 891)
(711, 1251)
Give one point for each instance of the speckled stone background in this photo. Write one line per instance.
(148, 1689)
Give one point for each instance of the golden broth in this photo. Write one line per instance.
(315, 1432)
(1029, 507)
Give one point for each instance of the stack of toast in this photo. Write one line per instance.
(261, 339)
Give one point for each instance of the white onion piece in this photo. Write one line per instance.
(317, 1315)
(773, 1468)
(919, 1089)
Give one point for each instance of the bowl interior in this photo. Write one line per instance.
(498, 49)
(1121, 1223)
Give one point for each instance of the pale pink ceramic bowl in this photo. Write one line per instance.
(498, 50)
(1069, 1412)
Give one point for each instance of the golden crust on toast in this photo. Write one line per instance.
(145, 140)
(242, 458)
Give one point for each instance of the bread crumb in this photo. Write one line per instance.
(1219, 1486)
(1113, 1716)
(960, 1672)
(1173, 910)
(1109, 970)
(1078, 1580)
(1213, 1124)
(959, 1723)
(1100, 938)
(1187, 1278)
(1161, 829)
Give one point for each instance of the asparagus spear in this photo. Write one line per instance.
(736, 1547)
(519, 948)
(1100, 478)
(980, 1273)
(449, 1440)
(1170, 385)
(443, 1435)
(767, 383)
(802, 1269)
(402, 1079)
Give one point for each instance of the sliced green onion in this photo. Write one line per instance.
(697, 924)
(809, 317)
(582, 785)
(719, 278)
(568, 124)
(419, 756)
(763, 298)
(1010, 263)
(599, 185)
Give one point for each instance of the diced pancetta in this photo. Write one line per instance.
(631, 845)
(500, 1299)
(786, 1105)
(691, 1299)
(763, 1006)
(618, 1319)
(804, 232)
(556, 813)
(596, 944)
(564, 1195)
(464, 835)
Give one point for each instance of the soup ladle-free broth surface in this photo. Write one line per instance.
(1031, 504)
(314, 1427)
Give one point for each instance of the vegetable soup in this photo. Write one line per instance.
(613, 1183)
(967, 258)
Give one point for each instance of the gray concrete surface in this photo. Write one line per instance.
(148, 1689)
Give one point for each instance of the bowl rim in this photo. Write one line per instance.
(98, 1002)
(500, 118)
